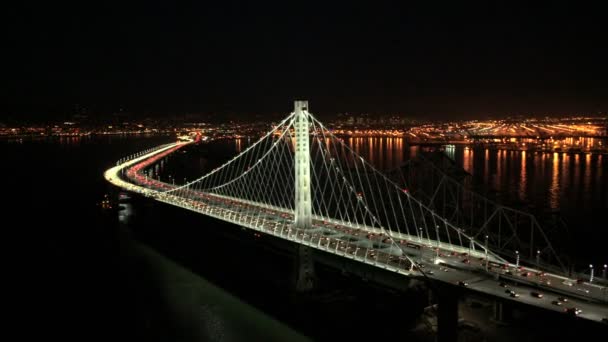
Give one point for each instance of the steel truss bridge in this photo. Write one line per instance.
(301, 183)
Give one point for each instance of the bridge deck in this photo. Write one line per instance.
(387, 250)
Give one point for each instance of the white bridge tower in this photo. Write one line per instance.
(303, 202)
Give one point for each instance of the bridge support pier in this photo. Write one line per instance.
(502, 312)
(447, 315)
(304, 269)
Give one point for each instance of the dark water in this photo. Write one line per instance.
(576, 184)
(63, 254)
(82, 275)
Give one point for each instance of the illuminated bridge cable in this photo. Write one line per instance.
(253, 167)
(356, 211)
(385, 205)
(245, 152)
(347, 190)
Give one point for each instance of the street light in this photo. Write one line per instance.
(471, 245)
(486, 250)
(420, 249)
(591, 275)
(604, 271)
(537, 258)
(517, 259)
(437, 236)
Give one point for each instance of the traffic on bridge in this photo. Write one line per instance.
(328, 198)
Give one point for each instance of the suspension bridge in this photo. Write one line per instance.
(301, 183)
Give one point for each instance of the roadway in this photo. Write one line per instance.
(395, 252)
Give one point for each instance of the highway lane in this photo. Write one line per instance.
(334, 240)
(371, 246)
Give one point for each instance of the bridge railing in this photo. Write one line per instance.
(241, 212)
(141, 153)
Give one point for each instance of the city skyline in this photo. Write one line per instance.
(91, 113)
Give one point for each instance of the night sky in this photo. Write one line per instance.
(158, 58)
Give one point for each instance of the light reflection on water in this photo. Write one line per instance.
(573, 183)
(384, 153)
(522, 176)
(554, 187)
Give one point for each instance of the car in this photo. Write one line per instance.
(502, 284)
(508, 291)
(536, 294)
(556, 302)
(463, 283)
(413, 245)
(580, 281)
(562, 299)
(573, 311)
(514, 294)
(466, 261)
(493, 264)
(430, 272)
(567, 283)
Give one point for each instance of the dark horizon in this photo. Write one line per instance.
(449, 62)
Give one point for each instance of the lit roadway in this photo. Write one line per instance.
(442, 262)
